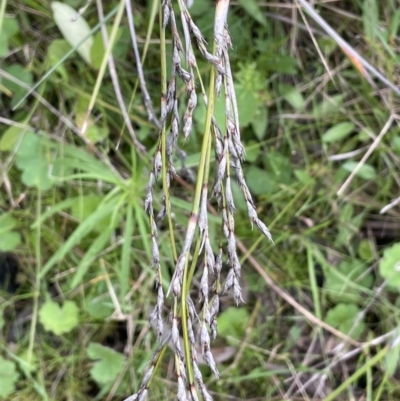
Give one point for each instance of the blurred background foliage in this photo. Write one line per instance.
(76, 287)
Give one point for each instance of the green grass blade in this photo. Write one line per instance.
(83, 229)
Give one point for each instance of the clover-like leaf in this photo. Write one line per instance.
(32, 159)
(108, 365)
(59, 319)
(343, 317)
(389, 266)
(8, 377)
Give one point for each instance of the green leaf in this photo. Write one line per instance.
(260, 124)
(260, 181)
(292, 95)
(394, 23)
(9, 28)
(103, 211)
(73, 29)
(9, 239)
(396, 143)
(59, 319)
(367, 172)
(389, 265)
(392, 358)
(95, 248)
(338, 132)
(35, 170)
(28, 362)
(10, 137)
(280, 63)
(370, 18)
(248, 104)
(108, 365)
(8, 377)
(99, 309)
(343, 316)
(55, 52)
(365, 249)
(98, 48)
(21, 74)
(347, 281)
(253, 9)
(233, 322)
(7, 223)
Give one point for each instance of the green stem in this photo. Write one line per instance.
(36, 293)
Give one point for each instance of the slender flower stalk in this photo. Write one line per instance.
(193, 324)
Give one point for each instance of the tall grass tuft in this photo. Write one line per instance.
(195, 322)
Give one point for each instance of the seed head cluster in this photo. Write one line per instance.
(192, 323)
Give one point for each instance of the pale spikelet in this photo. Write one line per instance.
(182, 370)
(206, 350)
(181, 396)
(191, 332)
(147, 376)
(192, 103)
(155, 250)
(199, 379)
(204, 284)
(214, 310)
(225, 223)
(156, 315)
(157, 164)
(163, 211)
(171, 93)
(232, 284)
(210, 258)
(143, 395)
(221, 149)
(167, 13)
(203, 219)
(148, 202)
(176, 281)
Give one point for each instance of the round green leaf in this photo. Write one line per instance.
(343, 316)
(108, 365)
(59, 319)
(389, 266)
(8, 377)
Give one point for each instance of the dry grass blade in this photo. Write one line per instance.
(362, 65)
